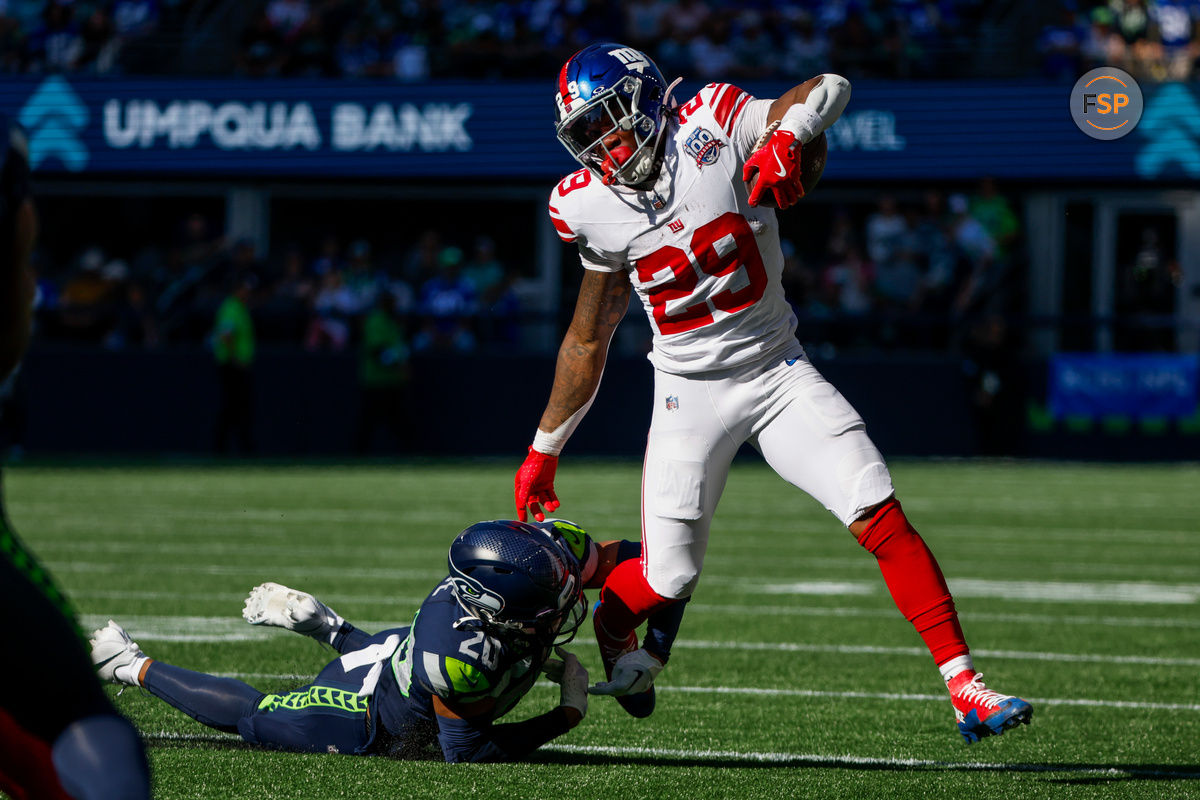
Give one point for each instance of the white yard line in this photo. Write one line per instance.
(940, 698)
(279, 569)
(152, 628)
(221, 629)
(1048, 591)
(891, 613)
(235, 599)
(790, 647)
(752, 691)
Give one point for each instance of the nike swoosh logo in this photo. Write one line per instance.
(782, 172)
(640, 673)
(790, 361)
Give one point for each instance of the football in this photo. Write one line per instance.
(812, 164)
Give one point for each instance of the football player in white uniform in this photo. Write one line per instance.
(662, 208)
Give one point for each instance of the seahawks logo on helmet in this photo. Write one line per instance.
(472, 593)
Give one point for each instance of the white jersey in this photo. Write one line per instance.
(706, 265)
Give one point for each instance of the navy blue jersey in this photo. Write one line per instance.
(447, 656)
(460, 666)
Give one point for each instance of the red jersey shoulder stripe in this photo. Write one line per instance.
(561, 227)
(725, 101)
(737, 112)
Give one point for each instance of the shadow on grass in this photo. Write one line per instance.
(1066, 773)
(1079, 773)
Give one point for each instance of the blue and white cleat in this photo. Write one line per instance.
(982, 712)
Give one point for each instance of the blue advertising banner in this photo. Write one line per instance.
(327, 128)
(1136, 386)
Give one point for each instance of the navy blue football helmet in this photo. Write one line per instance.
(516, 581)
(606, 88)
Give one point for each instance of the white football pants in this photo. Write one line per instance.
(802, 425)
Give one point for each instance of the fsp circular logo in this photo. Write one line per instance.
(1106, 103)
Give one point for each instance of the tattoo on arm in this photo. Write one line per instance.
(603, 300)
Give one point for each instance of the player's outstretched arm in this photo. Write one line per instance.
(603, 300)
(466, 732)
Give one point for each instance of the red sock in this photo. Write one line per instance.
(627, 599)
(915, 581)
(26, 768)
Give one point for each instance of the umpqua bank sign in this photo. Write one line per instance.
(277, 127)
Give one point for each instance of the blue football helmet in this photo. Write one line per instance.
(515, 581)
(606, 88)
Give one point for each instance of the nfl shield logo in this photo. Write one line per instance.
(672, 402)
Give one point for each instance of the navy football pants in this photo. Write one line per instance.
(327, 715)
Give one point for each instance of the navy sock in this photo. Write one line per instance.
(102, 758)
(662, 627)
(350, 638)
(216, 702)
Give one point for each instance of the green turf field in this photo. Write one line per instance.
(794, 676)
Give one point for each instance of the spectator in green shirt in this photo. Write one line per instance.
(383, 376)
(995, 214)
(233, 348)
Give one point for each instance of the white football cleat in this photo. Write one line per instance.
(278, 606)
(118, 658)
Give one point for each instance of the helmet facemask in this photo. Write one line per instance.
(572, 619)
(550, 627)
(631, 105)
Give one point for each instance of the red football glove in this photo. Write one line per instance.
(534, 485)
(778, 166)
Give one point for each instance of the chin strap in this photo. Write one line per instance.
(667, 96)
(655, 162)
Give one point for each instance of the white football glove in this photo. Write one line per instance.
(280, 607)
(572, 680)
(633, 673)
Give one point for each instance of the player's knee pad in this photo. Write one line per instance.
(673, 581)
(861, 473)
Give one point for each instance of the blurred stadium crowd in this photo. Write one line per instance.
(450, 297)
(1151, 39)
(421, 39)
(900, 274)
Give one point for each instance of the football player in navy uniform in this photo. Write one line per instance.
(68, 740)
(513, 596)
